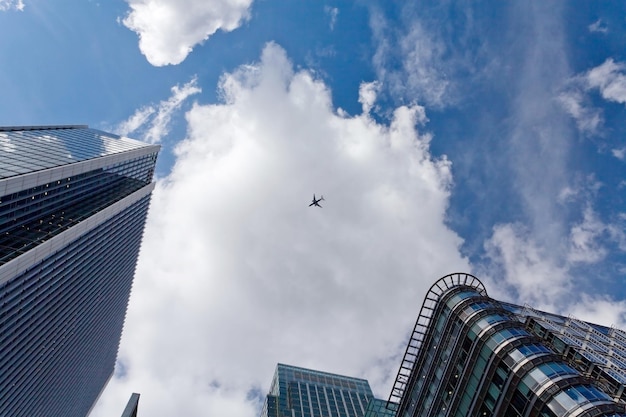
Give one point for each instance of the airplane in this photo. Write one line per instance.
(316, 201)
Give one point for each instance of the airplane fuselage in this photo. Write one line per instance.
(316, 201)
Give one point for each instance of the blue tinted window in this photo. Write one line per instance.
(552, 369)
(456, 298)
(533, 349)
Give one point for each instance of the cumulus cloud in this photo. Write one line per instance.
(6, 5)
(237, 273)
(169, 29)
(151, 123)
(367, 95)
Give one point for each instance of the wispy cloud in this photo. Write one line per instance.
(540, 138)
(6, 5)
(552, 230)
(151, 123)
(523, 268)
(423, 55)
(136, 121)
(610, 79)
(418, 59)
(169, 29)
(333, 13)
(588, 119)
(598, 27)
(585, 244)
(419, 53)
(600, 309)
(619, 153)
(231, 243)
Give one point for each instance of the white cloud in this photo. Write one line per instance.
(136, 121)
(367, 95)
(610, 79)
(421, 75)
(169, 29)
(588, 119)
(524, 269)
(419, 60)
(332, 13)
(585, 244)
(237, 273)
(6, 5)
(600, 309)
(151, 123)
(423, 56)
(619, 153)
(598, 27)
(529, 272)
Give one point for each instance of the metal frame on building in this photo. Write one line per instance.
(431, 300)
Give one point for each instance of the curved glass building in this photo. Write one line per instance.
(73, 204)
(471, 355)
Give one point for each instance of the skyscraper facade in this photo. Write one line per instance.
(300, 392)
(471, 355)
(73, 204)
(131, 406)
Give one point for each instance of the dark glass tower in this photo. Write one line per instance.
(73, 203)
(300, 392)
(470, 355)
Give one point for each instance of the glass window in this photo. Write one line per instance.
(575, 396)
(545, 371)
(457, 298)
(528, 351)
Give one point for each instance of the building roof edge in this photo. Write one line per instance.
(42, 127)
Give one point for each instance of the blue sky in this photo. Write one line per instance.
(481, 137)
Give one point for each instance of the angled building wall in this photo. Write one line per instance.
(73, 204)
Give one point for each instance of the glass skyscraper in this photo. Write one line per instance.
(300, 392)
(470, 355)
(73, 203)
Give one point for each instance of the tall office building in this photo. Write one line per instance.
(73, 203)
(471, 355)
(300, 392)
(131, 406)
